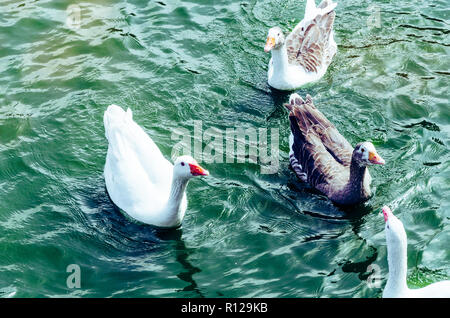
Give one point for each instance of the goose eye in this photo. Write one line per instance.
(182, 163)
(362, 149)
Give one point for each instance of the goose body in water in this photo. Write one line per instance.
(396, 286)
(322, 157)
(305, 54)
(139, 180)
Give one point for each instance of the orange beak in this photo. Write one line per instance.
(270, 44)
(376, 159)
(196, 170)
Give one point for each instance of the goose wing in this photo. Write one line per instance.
(322, 152)
(331, 138)
(127, 139)
(308, 44)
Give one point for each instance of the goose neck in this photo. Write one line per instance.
(398, 267)
(280, 59)
(174, 212)
(177, 190)
(356, 180)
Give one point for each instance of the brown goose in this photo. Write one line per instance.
(321, 156)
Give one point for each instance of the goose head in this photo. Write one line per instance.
(275, 39)
(395, 232)
(366, 155)
(186, 167)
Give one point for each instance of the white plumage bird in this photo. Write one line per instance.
(396, 286)
(305, 54)
(139, 180)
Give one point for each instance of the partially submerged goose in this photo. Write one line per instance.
(139, 180)
(396, 286)
(305, 54)
(321, 156)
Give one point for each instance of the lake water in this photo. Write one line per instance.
(178, 64)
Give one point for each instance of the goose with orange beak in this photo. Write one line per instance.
(322, 157)
(302, 56)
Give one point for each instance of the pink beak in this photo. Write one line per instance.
(386, 212)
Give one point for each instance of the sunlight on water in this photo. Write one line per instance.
(246, 233)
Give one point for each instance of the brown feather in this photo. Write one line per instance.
(307, 47)
(324, 154)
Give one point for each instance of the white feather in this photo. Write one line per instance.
(138, 177)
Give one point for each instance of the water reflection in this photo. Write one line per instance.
(153, 237)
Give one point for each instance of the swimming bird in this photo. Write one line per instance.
(139, 180)
(305, 54)
(322, 157)
(397, 261)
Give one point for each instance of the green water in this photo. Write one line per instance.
(245, 234)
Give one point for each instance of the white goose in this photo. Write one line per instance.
(397, 260)
(139, 179)
(306, 52)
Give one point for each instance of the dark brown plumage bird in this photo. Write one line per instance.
(321, 156)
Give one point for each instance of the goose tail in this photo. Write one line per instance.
(326, 6)
(323, 8)
(115, 117)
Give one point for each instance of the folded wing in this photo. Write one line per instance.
(321, 150)
(308, 45)
(127, 140)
